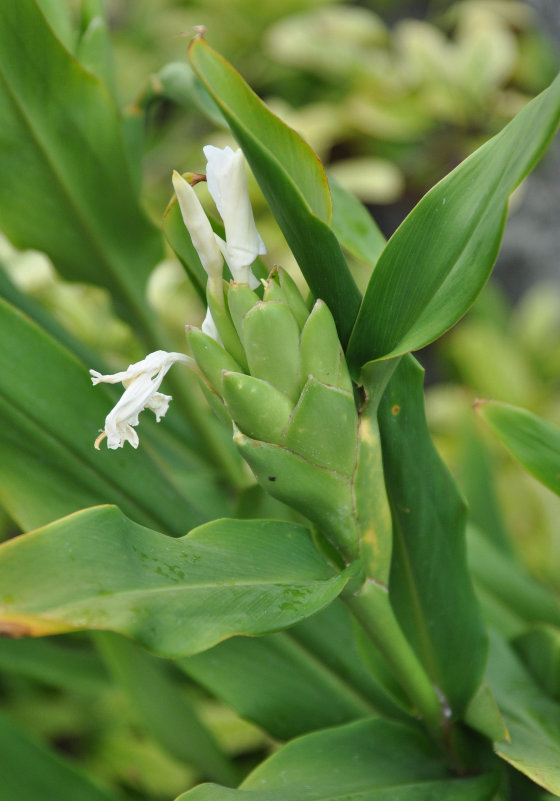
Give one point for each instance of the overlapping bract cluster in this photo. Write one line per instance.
(281, 376)
(270, 365)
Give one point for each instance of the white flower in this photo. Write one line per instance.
(227, 183)
(198, 225)
(141, 382)
(209, 328)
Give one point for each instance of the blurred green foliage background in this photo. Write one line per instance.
(391, 95)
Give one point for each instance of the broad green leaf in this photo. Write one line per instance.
(354, 226)
(539, 648)
(377, 760)
(429, 575)
(57, 664)
(307, 678)
(50, 416)
(32, 772)
(504, 579)
(66, 188)
(438, 260)
(98, 570)
(532, 719)
(59, 17)
(292, 180)
(534, 442)
(477, 479)
(163, 707)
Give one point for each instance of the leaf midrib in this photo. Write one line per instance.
(109, 595)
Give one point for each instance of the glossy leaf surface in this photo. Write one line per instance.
(534, 442)
(429, 571)
(439, 259)
(66, 188)
(372, 759)
(292, 180)
(50, 417)
(98, 570)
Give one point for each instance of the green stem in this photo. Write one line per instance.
(372, 608)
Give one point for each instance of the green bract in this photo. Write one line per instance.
(296, 422)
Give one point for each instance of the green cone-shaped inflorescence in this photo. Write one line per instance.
(277, 370)
(281, 376)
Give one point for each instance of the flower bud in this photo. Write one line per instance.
(211, 357)
(321, 352)
(259, 410)
(199, 227)
(323, 428)
(224, 324)
(227, 183)
(293, 297)
(271, 341)
(240, 300)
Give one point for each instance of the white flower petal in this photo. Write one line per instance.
(208, 327)
(159, 404)
(198, 226)
(227, 183)
(141, 381)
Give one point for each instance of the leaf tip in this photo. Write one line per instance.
(479, 402)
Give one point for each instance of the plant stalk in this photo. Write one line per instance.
(372, 608)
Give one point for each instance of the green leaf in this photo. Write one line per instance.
(292, 180)
(534, 442)
(477, 479)
(307, 678)
(503, 578)
(377, 760)
(59, 17)
(30, 771)
(483, 715)
(66, 188)
(439, 259)
(354, 226)
(163, 707)
(539, 648)
(98, 570)
(94, 49)
(177, 82)
(50, 414)
(429, 575)
(532, 719)
(57, 664)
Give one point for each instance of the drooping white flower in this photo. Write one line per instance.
(227, 183)
(141, 381)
